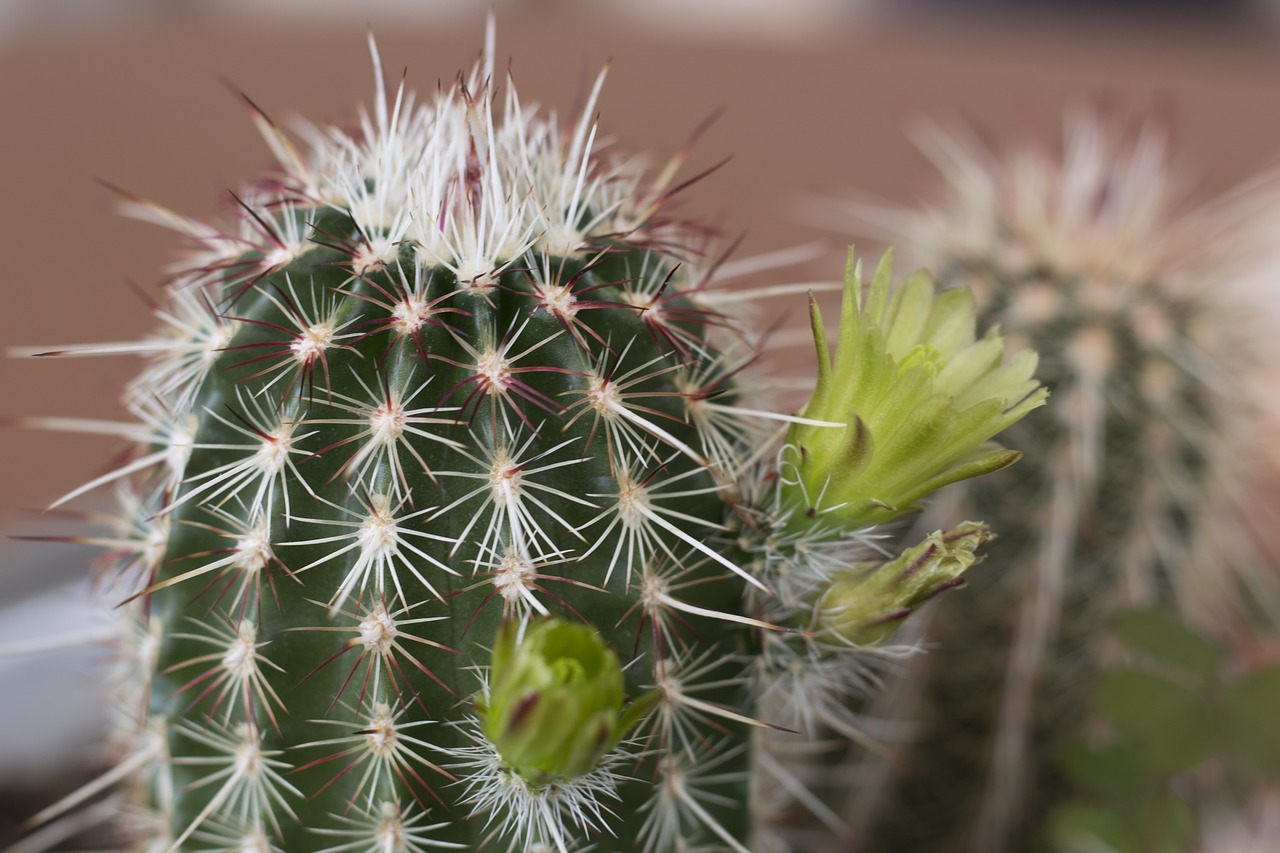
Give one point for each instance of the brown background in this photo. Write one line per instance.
(144, 108)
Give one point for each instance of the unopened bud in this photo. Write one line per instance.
(556, 699)
(865, 605)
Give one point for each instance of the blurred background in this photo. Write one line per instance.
(813, 99)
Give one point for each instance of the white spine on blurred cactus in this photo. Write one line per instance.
(1109, 211)
(1136, 308)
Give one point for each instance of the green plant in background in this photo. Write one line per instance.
(1190, 738)
(446, 523)
(1139, 492)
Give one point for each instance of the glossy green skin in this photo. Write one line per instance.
(289, 606)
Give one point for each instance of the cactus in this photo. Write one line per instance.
(447, 523)
(1136, 496)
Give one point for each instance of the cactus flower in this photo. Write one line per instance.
(920, 395)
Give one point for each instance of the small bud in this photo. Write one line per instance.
(920, 397)
(555, 702)
(865, 604)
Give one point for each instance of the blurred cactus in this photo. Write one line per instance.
(1140, 489)
(446, 523)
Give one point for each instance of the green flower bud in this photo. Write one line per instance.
(555, 703)
(920, 397)
(865, 604)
